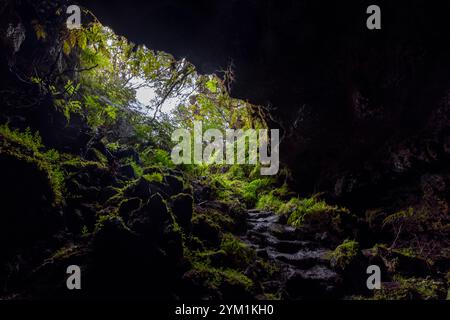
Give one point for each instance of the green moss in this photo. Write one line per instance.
(214, 278)
(236, 278)
(113, 146)
(301, 211)
(238, 253)
(65, 252)
(214, 274)
(26, 139)
(272, 296)
(412, 289)
(158, 157)
(28, 147)
(85, 230)
(237, 171)
(99, 157)
(344, 254)
(137, 168)
(154, 177)
(269, 202)
(215, 218)
(282, 192)
(105, 218)
(225, 188)
(74, 163)
(252, 190)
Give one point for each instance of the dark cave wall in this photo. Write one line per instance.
(362, 99)
(361, 111)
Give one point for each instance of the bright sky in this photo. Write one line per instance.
(145, 95)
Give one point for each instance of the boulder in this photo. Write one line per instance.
(175, 184)
(151, 219)
(127, 171)
(403, 263)
(182, 207)
(127, 206)
(205, 229)
(107, 193)
(143, 188)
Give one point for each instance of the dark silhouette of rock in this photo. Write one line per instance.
(182, 209)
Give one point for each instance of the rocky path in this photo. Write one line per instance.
(304, 270)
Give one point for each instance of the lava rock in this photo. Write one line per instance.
(182, 210)
(151, 219)
(127, 206)
(127, 171)
(174, 183)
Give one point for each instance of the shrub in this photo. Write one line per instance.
(269, 202)
(157, 157)
(309, 209)
(253, 188)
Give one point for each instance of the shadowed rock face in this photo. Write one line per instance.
(359, 95)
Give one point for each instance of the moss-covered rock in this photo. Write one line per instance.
(175, 184)
(238, 254)
(345, 254)
(204, 228)
(127, 207)
(411, 289)
(403, 262)
(182, 208)
(206, 282)
(152, 218)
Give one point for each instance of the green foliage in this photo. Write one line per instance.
(157, 157)
(26, 139)
(85, 230)
(428, 220)
(412, 289)
(253, 189)
(154, 177)
(99, 157)
(137, 168)
(215, 219)
(239, 254)
(213, 277)
(344, 254)
(27, 146)
(300, 210)
(269, 202)
(113, 146)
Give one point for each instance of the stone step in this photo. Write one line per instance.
(318, 282)
(264, 239)
(260, 214)
(303, 265)
(284, 232)
(302, 259)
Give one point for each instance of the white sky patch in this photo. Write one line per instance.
(146, 96)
